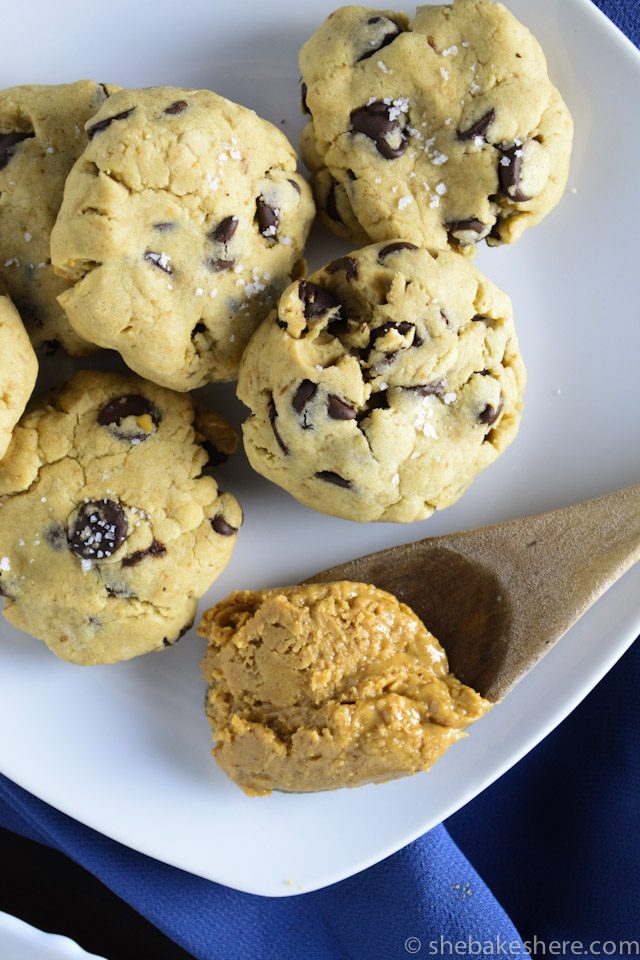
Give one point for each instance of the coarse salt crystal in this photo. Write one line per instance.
(505, 162)
(450, 51)
(444, 73)
(450, 397)
(474, 88)
(198, 291)
(86, 565)
(287, 241)
(438, 159)
(441, 189)
(50, 150)
(382, 66)
(404, 202)
(434, 203)
(5, 564)
(27, 236)
(213, 293)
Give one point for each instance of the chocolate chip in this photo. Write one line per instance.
(225, 230)
(164, 226)
(56, 536)
(317, 300)
(478, 318)
(122, 591)
(103, 124)
(273, 416)
(490, 414)
(159, 260)
(373, 121)
(509, 174)
(387, 38)
(479, 128)
(303, 98)
(221, 526)
(330, 206)
(394, 247)
(429, 389)
(268, 218)
(9, 142)
(129, 405)
(199, 328)
(339, 409)
(303, 395)
(178, 106)
(155, 549)
(403, 327)
(296, 186)
(215, 456)
(351, 175)
(330, 477)
(99, 529)
(280, 323)
(166, 642)
(348, 264)
(470, 226)
(219, 265)
(338, 326)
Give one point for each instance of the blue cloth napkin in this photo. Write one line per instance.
(555, 848)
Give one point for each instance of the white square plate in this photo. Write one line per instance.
(125, 749)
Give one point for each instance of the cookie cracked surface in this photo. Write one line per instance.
(111, 530)
(18, 372)
(445, 130)
(41, 136)
(383, 384)
(327, 685)
(181, 223)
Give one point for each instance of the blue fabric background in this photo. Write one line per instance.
(555, 848)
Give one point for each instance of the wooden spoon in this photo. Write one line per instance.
(499, 597)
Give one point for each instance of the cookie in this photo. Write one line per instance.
(41, 137)
(327, 685)
(445, 130)
(112, 527)
(18, 369)
(181, 223)
(383, 384)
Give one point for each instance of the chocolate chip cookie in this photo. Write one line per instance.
(328, 685)
(18, 369)
(182, 222)
(383, 384)
(445, 130)
(41, 136)
(112, 526)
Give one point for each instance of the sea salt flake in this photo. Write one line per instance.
(5, 564)
(198, 291)
(475, 88)
(438, 159)
(441, 189)
(50, 150)
(382, 66)
(404, 202)
(86, 565)
(450, 51)
(505, 162)
(287, 241)
(28, 236)
(444, 73)
(450, 397)
(434, 202)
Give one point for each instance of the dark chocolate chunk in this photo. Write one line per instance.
(225, 230)
(429, 389)
(387, 38)
(130, 405)
(330, 477)
(403, 327)
(296, 186)
(199, 328)
(348, 264)
(99, 529)
(268, 218)
(166, 642)
(317, 300)
(394, 247)
(103, 124)
(155, 549)
(373, 121)
(178, 106)
(159, 260)
(218, 265)
(479, 128)
(56, 536)
(464, 226)
(339, 409)
(164, 226)
(273, 416)
(490, 414)
(338, 326)
(509, 174)
(303, 395)
(122, 591)
(330, 205)
(9, 142)
(303, 98)
(351, 175)
(478, 318)
(215, 456)
(221, 526)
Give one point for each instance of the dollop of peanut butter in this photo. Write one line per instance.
(328, 685)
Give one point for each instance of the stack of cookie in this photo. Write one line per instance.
(169, 225)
